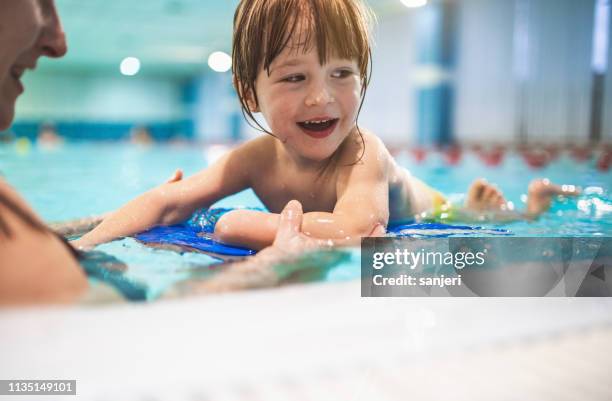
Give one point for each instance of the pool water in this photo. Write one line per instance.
(81, 179)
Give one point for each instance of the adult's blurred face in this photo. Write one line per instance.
(29, 29)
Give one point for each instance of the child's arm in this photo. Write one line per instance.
(174, 202)
(363, 200)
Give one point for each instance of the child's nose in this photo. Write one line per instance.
(320, 95)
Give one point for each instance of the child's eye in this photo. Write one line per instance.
(293, 78)
(342, 73)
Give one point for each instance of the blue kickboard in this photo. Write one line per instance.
(188, 237)
(195, 233)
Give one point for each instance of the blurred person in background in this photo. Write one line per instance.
(141, 135)
(48, 137)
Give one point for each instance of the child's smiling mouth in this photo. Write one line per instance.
(318, 128)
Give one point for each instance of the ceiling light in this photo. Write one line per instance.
(130, 66)
(220, 62)
(414, 3)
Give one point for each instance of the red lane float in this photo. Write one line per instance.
(536, 158)
(493, 157)
(581, 154)
(452, 155)
(553, 151)
(605, 160)
(419, 154)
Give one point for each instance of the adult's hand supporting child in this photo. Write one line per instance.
(266, 268)
(258, 230)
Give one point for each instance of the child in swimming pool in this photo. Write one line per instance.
(304, 65)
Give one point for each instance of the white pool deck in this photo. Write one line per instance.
(317, 342)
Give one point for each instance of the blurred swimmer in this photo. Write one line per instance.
(48, 137)
(141, 136)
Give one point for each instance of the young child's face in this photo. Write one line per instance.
(309, 107)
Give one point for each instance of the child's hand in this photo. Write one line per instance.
(84, 245)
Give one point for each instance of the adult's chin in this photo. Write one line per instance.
(7, 113)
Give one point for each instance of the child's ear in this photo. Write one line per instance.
(246, 95)
(250, 100)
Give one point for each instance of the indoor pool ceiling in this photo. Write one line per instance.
(171, 37)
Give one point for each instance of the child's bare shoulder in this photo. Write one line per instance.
(255, 151)
(253, 156)
(366, 147)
